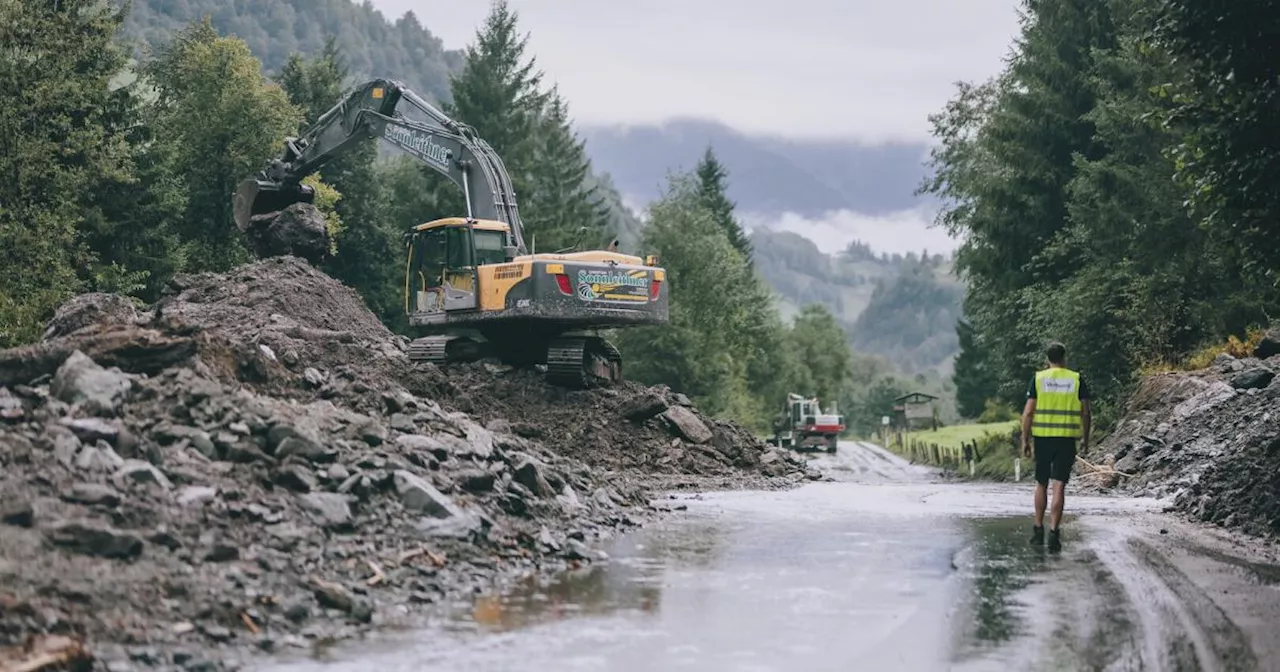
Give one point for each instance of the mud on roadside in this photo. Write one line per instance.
(253, 463)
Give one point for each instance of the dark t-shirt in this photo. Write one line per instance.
(1084, 388)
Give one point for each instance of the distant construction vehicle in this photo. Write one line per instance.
(472, 289)
(803, 424)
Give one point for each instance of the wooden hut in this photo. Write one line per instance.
(915, 411)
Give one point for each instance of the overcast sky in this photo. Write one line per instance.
(866, 69)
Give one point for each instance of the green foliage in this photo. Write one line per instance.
(713, 186)
(562, 209)
(224, 120)
(824, 356)
(974, 377)
(1090, 182)
(994, 411)
(276, 30)
(1224, 111)
(64, 150)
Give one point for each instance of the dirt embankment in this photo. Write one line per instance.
(253, 463)
(1210, 439)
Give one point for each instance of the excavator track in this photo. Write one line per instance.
(441, 349)
(581, 362)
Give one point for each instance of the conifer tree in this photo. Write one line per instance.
(713, 187)
(560, 203)
(62, 149)
(225, 120)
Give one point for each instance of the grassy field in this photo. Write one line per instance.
(955, 435)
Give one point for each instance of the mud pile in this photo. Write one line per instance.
(1210, 439)
(253, 463)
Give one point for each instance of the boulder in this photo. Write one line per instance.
(298, 230)
(81, 381)
(419, 495)
(687, 424)
(1254, 378)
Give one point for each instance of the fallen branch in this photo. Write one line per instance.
(248, 623)
(1095, 469)
(377, 577)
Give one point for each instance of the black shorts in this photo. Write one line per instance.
(1055, 455)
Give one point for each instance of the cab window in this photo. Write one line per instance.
(459, 247)
(430, 248)
(489, 246)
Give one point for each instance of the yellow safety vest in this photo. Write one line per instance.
(1058, 406)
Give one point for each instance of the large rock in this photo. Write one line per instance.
(1269, 346)
(81, 381)
(687, 424)
(1256, 377)
(298, 230)
(419, 495)
(529, 473)
(327, 508)
(94, 539)
(643, 406)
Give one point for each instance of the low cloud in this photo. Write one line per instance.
(898, 232)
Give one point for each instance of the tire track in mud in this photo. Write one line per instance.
(1178, 625)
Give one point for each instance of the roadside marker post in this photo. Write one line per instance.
(970, 468)
(1017, 469)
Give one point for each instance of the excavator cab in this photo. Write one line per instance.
(442, 272)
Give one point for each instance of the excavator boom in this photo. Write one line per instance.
(370, 111)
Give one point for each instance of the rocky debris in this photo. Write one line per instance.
(91, 311)
(93, 538)
(298, 230)
(1209, 439)
(254, 458)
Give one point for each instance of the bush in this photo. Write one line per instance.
(1203, 358)
(997, 412)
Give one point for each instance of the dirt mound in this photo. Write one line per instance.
(254, 462)
(1210, 439)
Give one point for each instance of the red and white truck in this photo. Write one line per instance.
(803, 424)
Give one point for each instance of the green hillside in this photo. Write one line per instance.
(901, 307)
(371, 44)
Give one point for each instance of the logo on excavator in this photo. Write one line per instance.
(422, 144)
(601, 285)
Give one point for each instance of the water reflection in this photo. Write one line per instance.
(630, 584)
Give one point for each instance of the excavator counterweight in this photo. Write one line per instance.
(472, 289)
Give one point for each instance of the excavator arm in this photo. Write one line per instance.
(372, 111)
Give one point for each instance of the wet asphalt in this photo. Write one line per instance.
(889, 568)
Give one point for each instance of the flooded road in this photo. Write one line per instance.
(887, 568)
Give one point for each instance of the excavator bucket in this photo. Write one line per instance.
(259, 197)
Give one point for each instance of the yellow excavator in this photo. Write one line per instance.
(472, 289)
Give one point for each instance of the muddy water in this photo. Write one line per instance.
(885, 570)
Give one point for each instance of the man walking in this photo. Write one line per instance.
(1056, 415)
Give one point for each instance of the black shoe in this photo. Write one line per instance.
(1037, 535)
(1055, 540)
